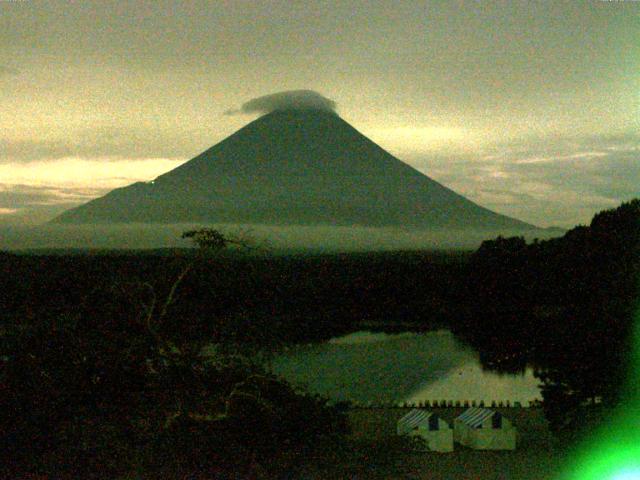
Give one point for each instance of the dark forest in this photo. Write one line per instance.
(103, 372)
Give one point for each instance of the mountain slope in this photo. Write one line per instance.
(292, 167)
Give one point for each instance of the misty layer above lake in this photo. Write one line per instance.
(321, 238)
(367, 367)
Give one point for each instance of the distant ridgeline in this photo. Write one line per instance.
(294, 167)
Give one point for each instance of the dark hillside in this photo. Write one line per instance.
(565, 306)
(295, 298)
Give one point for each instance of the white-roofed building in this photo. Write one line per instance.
(436, 433)
(484, 429)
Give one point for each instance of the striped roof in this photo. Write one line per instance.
(475, 416)
(417, 418)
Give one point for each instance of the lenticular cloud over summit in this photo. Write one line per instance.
(288, 100)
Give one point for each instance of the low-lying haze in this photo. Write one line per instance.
(267, 239)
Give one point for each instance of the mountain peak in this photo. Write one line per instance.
(295, 165)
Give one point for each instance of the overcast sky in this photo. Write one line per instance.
(529, 108)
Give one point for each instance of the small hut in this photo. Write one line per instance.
(436, 433)
(484, 429)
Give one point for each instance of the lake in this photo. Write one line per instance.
(392, 368)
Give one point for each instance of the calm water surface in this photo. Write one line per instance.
(412, 367)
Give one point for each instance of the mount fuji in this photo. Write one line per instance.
(293, 166)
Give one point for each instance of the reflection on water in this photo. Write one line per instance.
(377, 367)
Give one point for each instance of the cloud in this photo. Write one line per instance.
(38, 191)
(108, 144)
(96, 173)
(288, 100)
(28, 204)
(559, 158)
(4, 70)
(551, 181)
(17, 196)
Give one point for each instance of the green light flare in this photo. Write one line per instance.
(627, 475)
(614, 451)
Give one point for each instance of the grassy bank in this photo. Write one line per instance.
(378, 454)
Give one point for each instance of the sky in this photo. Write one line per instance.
(531, 109)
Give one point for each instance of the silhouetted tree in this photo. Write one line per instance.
(105, 388)
(564, 305)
